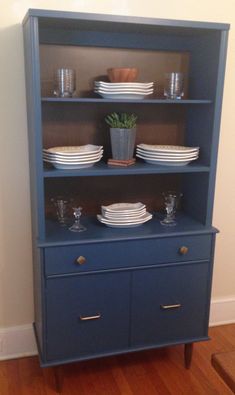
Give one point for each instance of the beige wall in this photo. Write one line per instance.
(16, 307)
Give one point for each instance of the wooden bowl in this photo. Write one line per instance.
(122, 74)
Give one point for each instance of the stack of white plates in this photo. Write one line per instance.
(123, 90)
(170, 155)
(124, 215)
(73, 157)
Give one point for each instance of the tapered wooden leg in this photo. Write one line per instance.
(59, 378)
(188, 353)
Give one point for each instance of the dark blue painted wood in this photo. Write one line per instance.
(61, 361)
(184, 285)
(60, 260)
(209, 283)
(70, 298)
(207, 76)
(139, 266)
(140, 167)
(32, 72)
(59, 16)
(97, 232)
(146, 101)
(219, 82)
(113, 39)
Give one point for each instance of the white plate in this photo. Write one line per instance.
(168, 163)
(144, 217)
(55, 158)
(125, 91)
(117, 216)
(119, 90)
(124, 207)
(153, 154)
(73, 156)
(64, 166)
(74, 150)
(137, 85)
(119, 224)
(72, 162)
(167, 148)
(165, 158)
(128, 96)
(80, 165)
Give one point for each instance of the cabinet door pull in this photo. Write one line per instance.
(170, 306)
(183, 250)
(90, 317)
(81, 260)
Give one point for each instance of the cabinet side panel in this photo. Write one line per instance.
(32, 77)
(208, 59)
(38, 275)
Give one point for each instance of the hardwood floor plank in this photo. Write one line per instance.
(4, 377)
(153, 372)
(136, 376)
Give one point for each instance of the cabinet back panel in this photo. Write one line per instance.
(91, 64)
(77, 124)
(93, 192)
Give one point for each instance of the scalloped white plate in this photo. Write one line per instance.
(137, 85)
(125, 224)
(124, 207)
(167, 148)
(74, 150)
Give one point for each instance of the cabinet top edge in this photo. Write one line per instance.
(44, 16)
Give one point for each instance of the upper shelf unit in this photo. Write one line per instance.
(201, 41)
(90, 44)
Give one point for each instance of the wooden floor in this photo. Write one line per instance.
(158, 372)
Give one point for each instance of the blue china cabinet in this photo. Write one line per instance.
(108, 291)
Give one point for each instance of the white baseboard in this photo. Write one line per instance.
(19, 341)
(222, 311)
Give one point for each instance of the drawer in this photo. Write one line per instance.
(87, 315)
(170, 304)
(113, 255)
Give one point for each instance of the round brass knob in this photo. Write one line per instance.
(183, 250)
(81, 260)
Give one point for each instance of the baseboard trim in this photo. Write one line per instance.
(19, 341)
(16, 342)
(222, 311)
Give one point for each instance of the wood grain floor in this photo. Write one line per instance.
(158, 372)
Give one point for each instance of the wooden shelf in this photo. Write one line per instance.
(98, 232)
(145, 101)
(102, 169)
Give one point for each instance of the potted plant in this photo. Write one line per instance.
(123, 134)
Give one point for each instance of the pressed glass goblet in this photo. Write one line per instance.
(62, 207)
(171, 201)
(77, 226)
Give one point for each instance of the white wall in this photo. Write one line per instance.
(16, 307)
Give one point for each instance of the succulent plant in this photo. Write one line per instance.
(121, 121)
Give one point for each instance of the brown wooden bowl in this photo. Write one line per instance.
(122, 74)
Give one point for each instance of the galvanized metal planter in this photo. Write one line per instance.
(122, 143)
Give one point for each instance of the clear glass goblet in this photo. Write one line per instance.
(171, 201)
(62, 207)
(77, 226)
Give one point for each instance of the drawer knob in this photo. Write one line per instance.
(183, 250)
(81, 260)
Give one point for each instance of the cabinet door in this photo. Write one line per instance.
(87, 315)
(170, 304)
